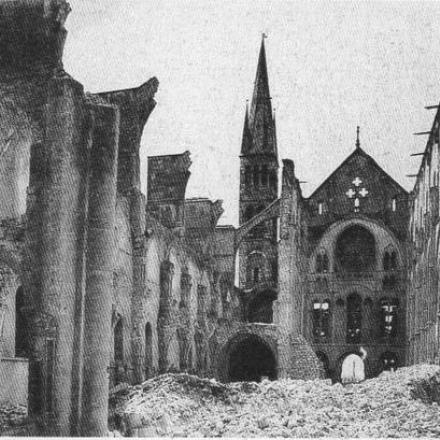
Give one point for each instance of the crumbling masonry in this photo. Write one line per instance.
(102, 285)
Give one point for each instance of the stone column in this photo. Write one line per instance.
(186, 330)
(165, 319)
(202, 330)
(100, 260)
(60, 200)
(137, 221)
(288, 306)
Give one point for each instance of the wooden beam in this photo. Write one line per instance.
(418, 154)
(430, 107)
(420, 133)
(411, 175)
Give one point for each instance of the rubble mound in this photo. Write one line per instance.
(395, 404)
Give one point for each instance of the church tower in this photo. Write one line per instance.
(258, 189)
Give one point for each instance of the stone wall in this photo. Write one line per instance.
(14, 380)
(423, 317)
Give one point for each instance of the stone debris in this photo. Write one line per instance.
(395, 404)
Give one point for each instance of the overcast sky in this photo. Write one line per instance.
(332, 66)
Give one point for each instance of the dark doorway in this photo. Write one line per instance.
(251, 359)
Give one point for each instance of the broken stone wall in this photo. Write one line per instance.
(177, 302)
(423, 318)
(288, 309)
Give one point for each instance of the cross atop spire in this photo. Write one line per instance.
(358, 144)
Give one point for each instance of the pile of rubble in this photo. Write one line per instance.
(12, 417)
(399, 404)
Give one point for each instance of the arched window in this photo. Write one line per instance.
(256, 275)
(355, 250)
(386, 261)
(320, 208)
(388, 361)
(390, 260)
(321, 319)
(325, 264)
(257, 268)
(264, 175)
(389, 317)
(354, 318)
(394, 204)
(322, 263)
(319, 263)
(21, 326)
(393, 260)
(148, 350)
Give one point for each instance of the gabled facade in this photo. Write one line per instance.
(357, 254)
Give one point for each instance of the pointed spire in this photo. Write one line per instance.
(261, 122)
(246, 142)
(358, 143)
(275, 143)
(261, 84)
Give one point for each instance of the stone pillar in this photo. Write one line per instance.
(137, 221)
(60, 199)
(287, 308)
(100, 260)
(186, 330)
(202, 330)
(165, 324)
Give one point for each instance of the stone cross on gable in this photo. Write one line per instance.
(357, 192)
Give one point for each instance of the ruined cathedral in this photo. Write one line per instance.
(102, 284)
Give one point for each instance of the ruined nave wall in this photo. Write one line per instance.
(423, 316)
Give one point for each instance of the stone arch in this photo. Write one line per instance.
(249, 358)
(248, 339)
(383, 237)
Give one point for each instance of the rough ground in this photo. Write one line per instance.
(400, 404)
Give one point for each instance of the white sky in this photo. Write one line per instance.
(332, 66)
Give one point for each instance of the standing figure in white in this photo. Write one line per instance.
(353, 367)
